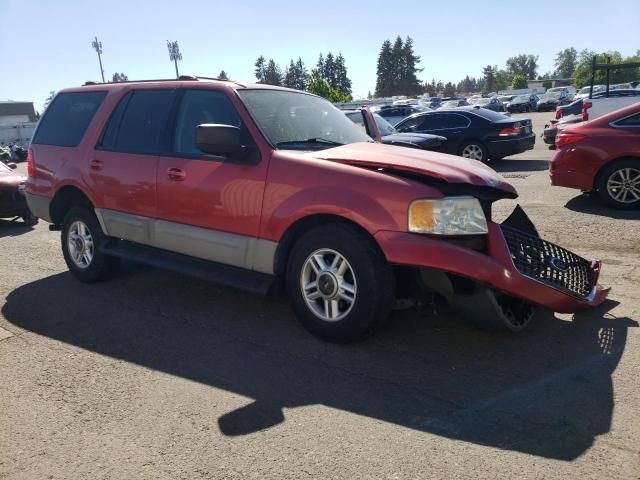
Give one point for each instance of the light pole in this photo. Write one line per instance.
(174, 54)
(98, 48)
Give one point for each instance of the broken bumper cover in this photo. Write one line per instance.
(516, 263)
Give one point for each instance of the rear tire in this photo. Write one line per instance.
(618, 185)
(339, 284)
(82, 238)
(474, 150)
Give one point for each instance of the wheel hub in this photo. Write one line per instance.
(327, 284)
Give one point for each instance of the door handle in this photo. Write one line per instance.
(176, 174)
(96, 164)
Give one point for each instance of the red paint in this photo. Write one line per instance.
(355, 182)
(586, 148)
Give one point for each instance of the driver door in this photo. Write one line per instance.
(207, 207)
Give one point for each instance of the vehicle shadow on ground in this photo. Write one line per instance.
(546, 392)
(507, 165)
(591, 204)
(9, 228)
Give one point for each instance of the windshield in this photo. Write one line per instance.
(4, 168)
(521, 98)
(385, 127)
(481, 101)
(298, 120)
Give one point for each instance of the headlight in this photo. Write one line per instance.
(447, 216)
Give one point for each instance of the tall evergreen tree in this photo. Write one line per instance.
(259, 71)
(296, 75)
(320, 66)
(489, 78)
(272, 73)
(383, 71)
(343, 82)
(409, 83)
(222, 75)
(397, 66)
(330, 70)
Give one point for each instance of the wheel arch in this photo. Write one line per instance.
(64, 199)
(304, 224)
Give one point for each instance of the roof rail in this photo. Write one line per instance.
(188, 78)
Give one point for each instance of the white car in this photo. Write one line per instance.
(584, 91)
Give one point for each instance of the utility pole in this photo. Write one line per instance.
(174, 54)
(97, 46)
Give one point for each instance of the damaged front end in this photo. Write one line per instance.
(499, 283)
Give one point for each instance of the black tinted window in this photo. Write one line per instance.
(454, 121)
(67, 118)
(198, 107)
(632, 121)
(137, 123)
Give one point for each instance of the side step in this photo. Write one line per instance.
(213, 272)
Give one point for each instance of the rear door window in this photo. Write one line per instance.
(67, 118)
(138, 122)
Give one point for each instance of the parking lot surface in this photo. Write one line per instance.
(156, 375)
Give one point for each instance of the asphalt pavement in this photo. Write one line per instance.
(156, 375)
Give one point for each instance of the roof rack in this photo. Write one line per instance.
(180, 78)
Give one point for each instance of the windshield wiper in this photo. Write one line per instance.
(316, 140)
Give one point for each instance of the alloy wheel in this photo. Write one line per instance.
(472, 151)
(328, 285)
(624, 185)
(80, 244)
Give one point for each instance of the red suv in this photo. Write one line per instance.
(255, 186)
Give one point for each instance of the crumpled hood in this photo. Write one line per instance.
(448, 168)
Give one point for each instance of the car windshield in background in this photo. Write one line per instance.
(482, 101)
(450, 103)
(4, 168)
(521, 98)
(300, 121)
(385, 127)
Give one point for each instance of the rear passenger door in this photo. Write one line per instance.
(208, 206)
(122, 168)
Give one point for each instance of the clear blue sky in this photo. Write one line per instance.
(46, 45)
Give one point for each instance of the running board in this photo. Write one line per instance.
(216, 273)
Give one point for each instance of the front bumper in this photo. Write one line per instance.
(497, 267)
(504, 148)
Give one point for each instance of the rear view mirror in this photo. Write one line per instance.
(218, 139)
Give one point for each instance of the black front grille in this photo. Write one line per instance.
(548, 263)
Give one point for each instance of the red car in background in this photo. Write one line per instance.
(602, 156)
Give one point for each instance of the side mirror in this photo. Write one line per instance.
(12, 165)
(218, 139)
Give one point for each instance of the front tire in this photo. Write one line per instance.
(474, 150)
(82, 238)
(619, 184)
(339, 284)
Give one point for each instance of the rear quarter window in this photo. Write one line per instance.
(67, 118)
